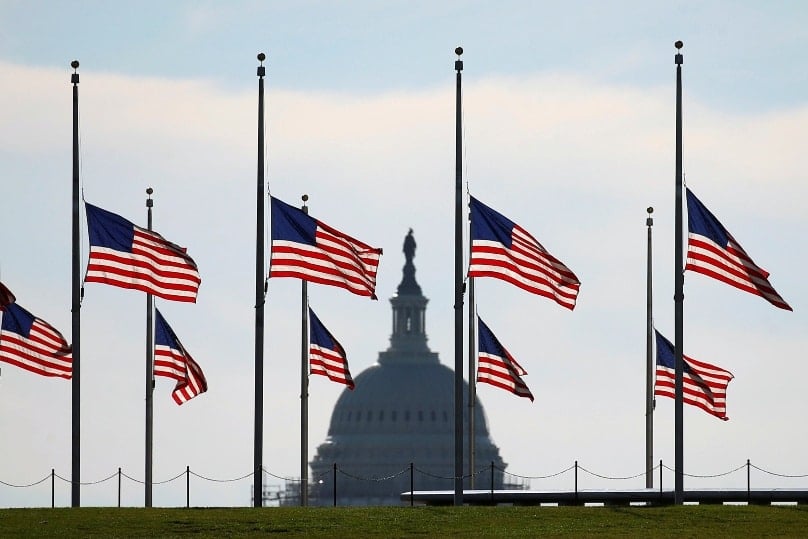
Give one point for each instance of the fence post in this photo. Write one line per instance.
(660, 480)
(748, 489)
(53, 488)
(187, 486)
(119, 486)
(492, 481)
(335, 484)
(412, 483)
(576, 481)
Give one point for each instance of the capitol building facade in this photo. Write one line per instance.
(400, 414)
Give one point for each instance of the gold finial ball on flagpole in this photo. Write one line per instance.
(74, 64)
(149, 191)
(261, 56)
(650, 210)
(459, 51)
(678, 44)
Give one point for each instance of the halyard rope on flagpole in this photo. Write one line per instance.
(267, 239)
(81, 253)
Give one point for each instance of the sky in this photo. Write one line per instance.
(568, 129)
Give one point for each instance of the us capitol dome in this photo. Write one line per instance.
(401, 412)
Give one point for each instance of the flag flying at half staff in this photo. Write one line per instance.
(31, 343)
(327, 356)
(704, 385)
(502, 249)
(126, 255)
(496, 366)
(308, 249)
(172, 360)
(6, 296)
(712, 251)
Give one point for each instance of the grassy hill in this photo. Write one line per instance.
(681, 521)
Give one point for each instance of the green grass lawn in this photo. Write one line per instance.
(682, 521)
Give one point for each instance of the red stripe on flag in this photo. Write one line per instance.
(336, 260)
(704, 387)
(180, 366)
(331, 364)
(154, 266)
(44, 352)
(731, 266)
(526, 265)
(505, 374)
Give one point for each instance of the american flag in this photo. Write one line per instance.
(172, 360)
(6, 296)
(703, 385)
(125, 255)
(496, 366)
(504, 250)
(32, 344)
(712, 251)
(308, 249)
(327, 356)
